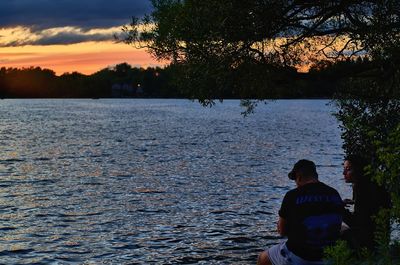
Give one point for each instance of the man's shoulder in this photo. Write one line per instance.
(291, 194)
(318, 187)
(292, 191)
(326, 186)
(314, 187)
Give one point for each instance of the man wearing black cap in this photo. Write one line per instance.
(310, 217)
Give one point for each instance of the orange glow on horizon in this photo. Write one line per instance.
(86, 58)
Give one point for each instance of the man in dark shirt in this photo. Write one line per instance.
(310, 217)
(368, 200)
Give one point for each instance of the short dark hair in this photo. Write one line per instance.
(356, 160)
(358, 163)
(304, 166)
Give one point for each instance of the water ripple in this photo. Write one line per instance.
(152, 181)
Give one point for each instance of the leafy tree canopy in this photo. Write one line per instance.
(243, 46)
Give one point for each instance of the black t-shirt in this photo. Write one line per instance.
(369, 198)
(313, 215)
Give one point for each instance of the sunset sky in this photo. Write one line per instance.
(69, 35)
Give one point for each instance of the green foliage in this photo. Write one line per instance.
(382, 236)
(339, 254)
(388, 173)
(342, 254)
(369, 112)
(370, 127)
(365, 123)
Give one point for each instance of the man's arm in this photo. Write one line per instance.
(282, 226)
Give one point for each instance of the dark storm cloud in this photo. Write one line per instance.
(61, 38)
(85, 14)
(70, 38)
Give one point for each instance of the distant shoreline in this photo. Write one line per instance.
(267, 99)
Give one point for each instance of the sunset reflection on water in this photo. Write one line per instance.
(162, 181)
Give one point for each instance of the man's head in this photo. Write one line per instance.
(353, 168)
(303, 171)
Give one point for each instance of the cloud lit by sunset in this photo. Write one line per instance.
(69, 36)
(86, 57)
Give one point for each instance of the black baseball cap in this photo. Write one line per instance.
(307, 167)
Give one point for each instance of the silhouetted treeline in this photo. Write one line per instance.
(322, 81)
(44, 83)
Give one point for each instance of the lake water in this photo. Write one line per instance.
(153, 181)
